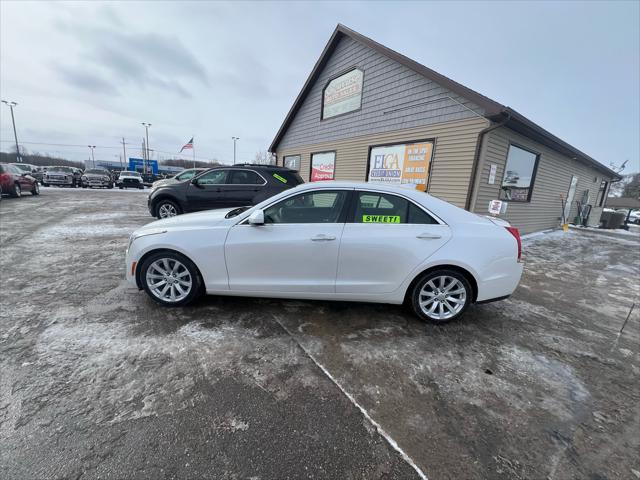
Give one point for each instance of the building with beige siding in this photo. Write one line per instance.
(368, 113)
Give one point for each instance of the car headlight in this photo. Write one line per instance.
(105, 178)
(84, 177)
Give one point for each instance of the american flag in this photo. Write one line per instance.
(188, 145)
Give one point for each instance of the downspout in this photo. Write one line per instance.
(476, 158)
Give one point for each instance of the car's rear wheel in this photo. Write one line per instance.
(170, 278)
(36, 189)
(441, 296)
(167, 209)
(17, 191)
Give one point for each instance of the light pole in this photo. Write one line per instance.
(93, 158)
(235, 139)
(15, 135)
(146, 129)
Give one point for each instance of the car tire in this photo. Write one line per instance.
(441, 296)
(110, 186)
(17, 191)
(166, 209)
(141, 187)
(45, 184)
(120, 187)
(36, 189)
(175, 276)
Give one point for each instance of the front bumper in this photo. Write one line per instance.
(58, 181)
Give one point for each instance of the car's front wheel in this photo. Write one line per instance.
(167, 209)
(36, 189)
(170, 278)
(17, 191)
(441, 296)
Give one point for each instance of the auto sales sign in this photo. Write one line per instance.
(402, 163)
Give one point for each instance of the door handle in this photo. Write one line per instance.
(322, 238)
(428, 236)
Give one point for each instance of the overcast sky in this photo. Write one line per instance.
(89, 73)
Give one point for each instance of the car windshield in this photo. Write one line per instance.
(131, 174)
(24, 168)
(97, 171)
(60, 169)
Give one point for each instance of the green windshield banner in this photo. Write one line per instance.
(381, 219)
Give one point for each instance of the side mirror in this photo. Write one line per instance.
(256, 218)
(194, 181)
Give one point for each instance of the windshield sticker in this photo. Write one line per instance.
(278, 177)
(381, 219)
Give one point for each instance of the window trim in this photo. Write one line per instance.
(603, 191)
(404, 142)
(284, 159)
(335, 164)
(233, 170)
(534, 172)
(331, 79)
(352, 208)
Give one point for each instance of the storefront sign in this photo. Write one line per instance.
(497, 207)
(343, 94)
(492, 173)
(403, 163)
(323, 166)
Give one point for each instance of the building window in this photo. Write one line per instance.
(343, 94)
(519, 175)
(292, 162)
(602, 193)
(400, 163)
(323, 166)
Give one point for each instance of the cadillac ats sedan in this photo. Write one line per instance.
(346, 241)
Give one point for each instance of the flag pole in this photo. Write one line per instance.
(193, 148)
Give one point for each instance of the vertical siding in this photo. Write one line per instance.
(455, 144)
(552, 179)
(394, 97)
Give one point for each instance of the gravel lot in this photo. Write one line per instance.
(96, 381)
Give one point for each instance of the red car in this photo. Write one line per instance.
(14, 181)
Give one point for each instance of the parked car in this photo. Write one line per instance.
(62, 176)
(332, 241)
(14, 181)
(129, 179)
(187, 174)
(634, 217)
(218, 187)
(33, 170)
(96, 177)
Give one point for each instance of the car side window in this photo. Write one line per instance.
(245, 177)
(386, 208)
(214, 177)
(312, 207)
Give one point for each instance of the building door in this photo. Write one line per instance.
(570, 194)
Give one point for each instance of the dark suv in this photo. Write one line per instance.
(220, 187)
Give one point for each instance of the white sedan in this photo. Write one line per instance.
(348, 241)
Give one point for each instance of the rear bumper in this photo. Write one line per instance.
(500, 282)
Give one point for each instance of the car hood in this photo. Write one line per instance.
(166, 181)
(96, 175)
(130, 176)
(190, 220)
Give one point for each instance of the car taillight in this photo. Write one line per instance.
(516, 234)
(4, 177)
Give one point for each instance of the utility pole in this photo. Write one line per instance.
(15, 135)
(124, 151)
(93, 158)
(146, 128)
(235, 139)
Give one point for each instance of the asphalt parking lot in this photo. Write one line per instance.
(97, 381)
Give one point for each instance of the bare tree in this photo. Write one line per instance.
(263, 158)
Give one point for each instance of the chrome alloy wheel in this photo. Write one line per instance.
(169, 280)
(167, 210)
(442, 297)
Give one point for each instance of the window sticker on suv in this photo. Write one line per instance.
(279, 177)
(381, 219)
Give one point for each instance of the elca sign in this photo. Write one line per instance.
(497, 207)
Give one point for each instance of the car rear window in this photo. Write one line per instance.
(2, 169)
(374, 207)
(288, 177)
